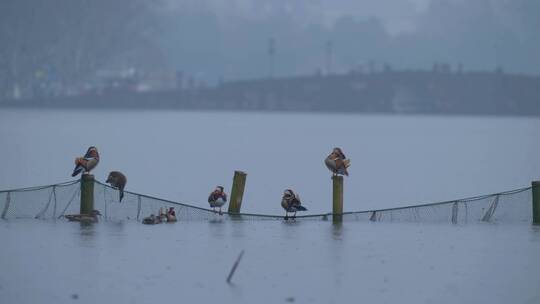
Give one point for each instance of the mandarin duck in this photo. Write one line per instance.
(217, 199)
(87, 163)
(337, 162)
(291, 203)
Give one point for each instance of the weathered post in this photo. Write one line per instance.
(536, 202)
(237, 192)
(6, 206)
(87, 193)
(337, 198)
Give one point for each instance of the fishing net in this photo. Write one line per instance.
(55, 201)
(508, 207)
(40, 202)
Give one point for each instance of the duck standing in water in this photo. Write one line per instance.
(171, 215)
(117, 180)
(162, 215)
(217, 199)
(337, 162)
(87, 163)
(84, 218)
(291, 203)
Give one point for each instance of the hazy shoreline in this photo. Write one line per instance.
(388, 92)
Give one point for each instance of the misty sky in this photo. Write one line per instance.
(212, 40)
(231, 41)
(397, 15)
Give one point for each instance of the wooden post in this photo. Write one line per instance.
(536, 202)
(237, 192)
(6, 206)
(337, 197)
(87, 193)
(138, 206)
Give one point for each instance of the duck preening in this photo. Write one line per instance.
(217, 199)
(86, 218)
(171, 215)
(87, 163)
(117, 180)
(337, 162)
(291, 203)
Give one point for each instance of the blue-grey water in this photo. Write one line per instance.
(181, 156)
(310, 262)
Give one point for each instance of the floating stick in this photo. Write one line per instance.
(234, 266)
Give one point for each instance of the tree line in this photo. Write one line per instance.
(67, 40)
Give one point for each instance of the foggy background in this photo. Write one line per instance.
(210, 41)
(432, 100)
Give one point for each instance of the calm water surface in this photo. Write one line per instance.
(183, 155)
(310, 262)
(396, 160)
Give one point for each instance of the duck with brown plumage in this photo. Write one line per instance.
(337, 162)
(84, 218)
(291, 203)
(217, 199)
(87, 163)
(117, 180)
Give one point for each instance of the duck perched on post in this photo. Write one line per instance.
(87, 163)
(84, 218)
(217, 199)
(117, 180)
(291, 203)
(337, 162)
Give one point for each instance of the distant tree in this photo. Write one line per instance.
(70, 38)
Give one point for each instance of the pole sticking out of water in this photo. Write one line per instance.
(536, 202)
(237, 192)
(337, 198)
(233, 269)
(6, 206)
(87, 193)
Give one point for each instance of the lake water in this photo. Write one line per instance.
(396, 160)
(310, 262)
(182, 156)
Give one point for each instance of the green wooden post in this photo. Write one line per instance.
(87, 193)
(337, 198)
(237, 192)
(536, 202)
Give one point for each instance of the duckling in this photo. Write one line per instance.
(337, 162)
(117, 180)
(217, 199)
(87, 163)
(86, 218)
(291, 203)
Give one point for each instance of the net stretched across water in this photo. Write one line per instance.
(55, 201)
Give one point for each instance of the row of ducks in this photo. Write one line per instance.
(336, 162)
(162, 217)
(290, 202)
